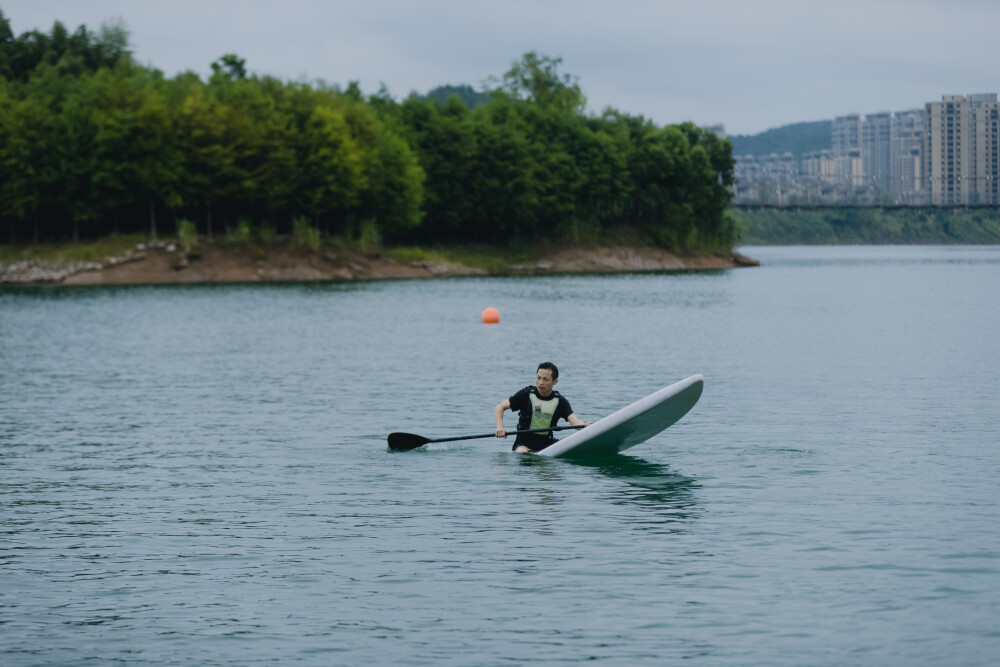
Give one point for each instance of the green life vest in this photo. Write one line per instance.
(542, 410)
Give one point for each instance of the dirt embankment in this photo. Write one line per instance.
(162, 262)
(633, 258)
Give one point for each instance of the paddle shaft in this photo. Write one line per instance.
(493, 435)
(405, 441)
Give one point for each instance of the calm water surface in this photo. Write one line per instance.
(199, 475)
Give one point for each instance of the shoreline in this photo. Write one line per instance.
(163, 263)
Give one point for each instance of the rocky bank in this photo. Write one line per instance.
(163, 262)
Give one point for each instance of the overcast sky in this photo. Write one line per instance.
(749, 65)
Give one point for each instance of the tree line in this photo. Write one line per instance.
(93, 143)
(868, 225)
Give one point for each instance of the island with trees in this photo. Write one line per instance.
(103, 154)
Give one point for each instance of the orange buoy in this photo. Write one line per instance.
(491, 316)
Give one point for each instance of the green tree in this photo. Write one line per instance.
(77, 133)
(394, 179)
(155, 156)
(82, 51)
(230, 66)
(26, 155)
(502, 177)
(535, 78)
(204, 139)
(6, 47)
(6, 163)
(331, 173)
(108, 48)
(466, 95)
(445, 143)
(261, 176)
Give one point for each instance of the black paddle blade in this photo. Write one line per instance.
(404, 441)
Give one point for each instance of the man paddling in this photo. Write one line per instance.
(540, 406)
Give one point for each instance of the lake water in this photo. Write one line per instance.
(199, 474)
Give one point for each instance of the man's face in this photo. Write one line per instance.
(544, 381)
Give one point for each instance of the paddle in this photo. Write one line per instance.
(404, 441)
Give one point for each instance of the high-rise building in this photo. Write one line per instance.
(960, 159)
(876, 130)
(846, 149)
(906, 165)
(977, 100)
(985, 159)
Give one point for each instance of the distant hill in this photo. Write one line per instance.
(797, 138)
(471, 97)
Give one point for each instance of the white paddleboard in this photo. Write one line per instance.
(633, 424)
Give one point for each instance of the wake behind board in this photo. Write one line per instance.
(633, 424)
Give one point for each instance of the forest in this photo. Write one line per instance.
(93, 143)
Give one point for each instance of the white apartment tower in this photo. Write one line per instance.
(985, 159)
(960, 160)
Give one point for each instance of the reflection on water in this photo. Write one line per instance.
(664, 496)
(543, 472)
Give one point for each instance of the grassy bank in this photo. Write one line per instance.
(259, 242)
(260, 257)
(485, 258)
(71, 251)
(869, 226)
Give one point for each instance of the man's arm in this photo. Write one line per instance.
(498, 411)
(576, 421)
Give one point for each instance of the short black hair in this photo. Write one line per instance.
(548, 365)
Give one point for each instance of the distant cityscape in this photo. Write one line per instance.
(946, 154)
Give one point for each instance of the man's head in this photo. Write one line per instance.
(546, 377)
